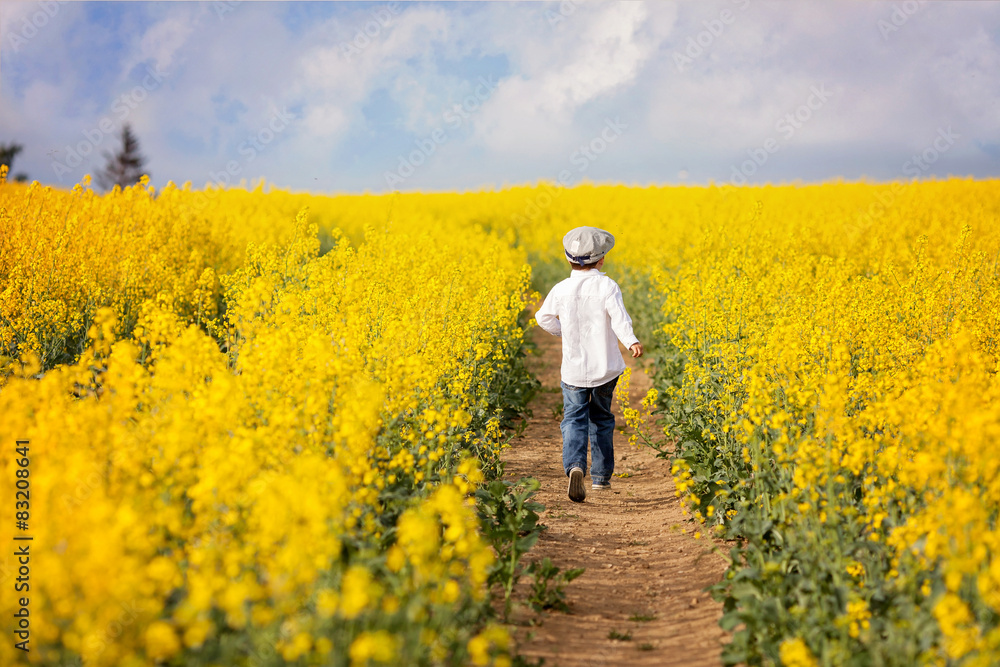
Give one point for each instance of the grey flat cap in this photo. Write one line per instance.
(586, 245)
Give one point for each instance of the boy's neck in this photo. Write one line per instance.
(596, 267)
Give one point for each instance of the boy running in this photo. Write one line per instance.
(587, 311)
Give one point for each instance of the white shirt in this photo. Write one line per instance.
(587, 311)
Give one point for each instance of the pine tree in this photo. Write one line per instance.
(125, 167)
(7, 154)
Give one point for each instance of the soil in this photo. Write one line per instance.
(645, 575)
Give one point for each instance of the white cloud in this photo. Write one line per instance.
(889, 95)
(597, 50)
(967, 77)
(334, 78)
(565, 74)
(161, 42)
(13, 15)
(323, 121)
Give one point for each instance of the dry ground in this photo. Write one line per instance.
(639, 552)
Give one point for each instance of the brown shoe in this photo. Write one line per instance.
(576, 491)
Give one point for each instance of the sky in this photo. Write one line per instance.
(358, 96)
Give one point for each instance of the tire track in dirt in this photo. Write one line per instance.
(639, 552)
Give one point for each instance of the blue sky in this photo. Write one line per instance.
(356, 96)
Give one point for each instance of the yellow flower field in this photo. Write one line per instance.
(256, 418)
(838, 410)
(827, 376)
(294, 490)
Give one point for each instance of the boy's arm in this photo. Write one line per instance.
(547, 318)
(621, 323)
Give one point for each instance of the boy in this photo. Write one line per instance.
(587, 311)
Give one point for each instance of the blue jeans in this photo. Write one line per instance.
(587, 415)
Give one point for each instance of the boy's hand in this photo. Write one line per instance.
(636, 350)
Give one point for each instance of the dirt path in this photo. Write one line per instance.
(641, 559)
